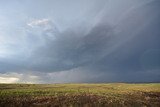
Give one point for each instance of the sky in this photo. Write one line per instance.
(79, 41)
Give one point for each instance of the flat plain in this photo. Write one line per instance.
(80, 95)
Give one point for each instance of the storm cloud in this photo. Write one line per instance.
(80, 41)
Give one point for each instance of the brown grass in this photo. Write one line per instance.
(80, 95)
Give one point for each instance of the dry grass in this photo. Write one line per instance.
(80, 95)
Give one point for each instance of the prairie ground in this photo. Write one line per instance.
(80, 95)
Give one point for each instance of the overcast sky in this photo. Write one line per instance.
(61, 41)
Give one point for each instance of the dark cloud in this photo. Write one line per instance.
(128, 51)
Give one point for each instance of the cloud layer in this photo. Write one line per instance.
(110, 41)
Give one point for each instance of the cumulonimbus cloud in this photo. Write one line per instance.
(104, 47)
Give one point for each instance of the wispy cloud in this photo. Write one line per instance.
(42, 22)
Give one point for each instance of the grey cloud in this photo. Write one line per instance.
(122, 45)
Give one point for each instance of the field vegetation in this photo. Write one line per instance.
(80, 95)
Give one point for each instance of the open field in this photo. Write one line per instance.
(80, 95)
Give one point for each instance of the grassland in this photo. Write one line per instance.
(80, 95)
